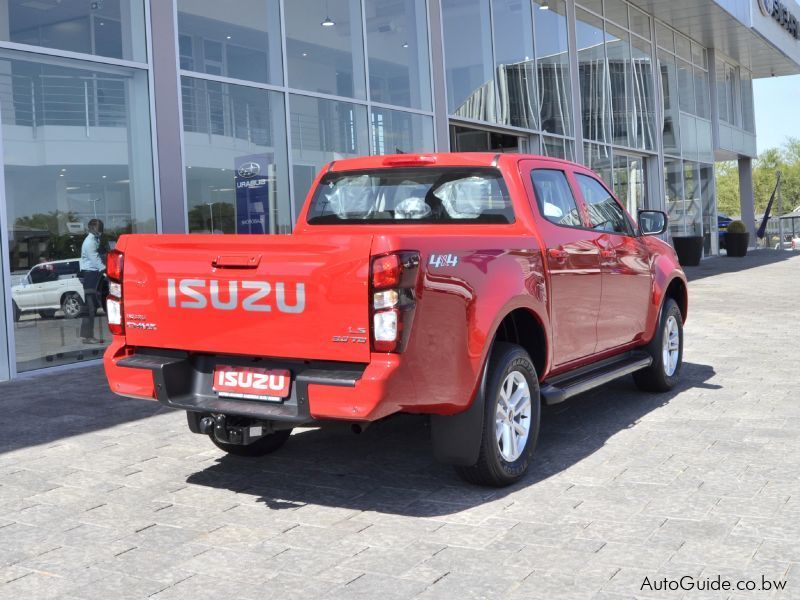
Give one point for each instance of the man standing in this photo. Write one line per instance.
(92, 268)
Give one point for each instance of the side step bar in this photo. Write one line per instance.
(562, 387)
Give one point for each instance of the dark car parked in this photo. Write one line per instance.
(722, 226)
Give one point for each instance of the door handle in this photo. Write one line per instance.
(558, 253)
(608, 254)
(236, 261)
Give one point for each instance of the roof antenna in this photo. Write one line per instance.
(398, 151)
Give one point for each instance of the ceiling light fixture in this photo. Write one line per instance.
(405, 44)
(544, 5)
(328, 22)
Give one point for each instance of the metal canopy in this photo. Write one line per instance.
(707, 22)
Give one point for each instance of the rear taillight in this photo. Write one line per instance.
(114, 308)
(114, 262)
(392, 302)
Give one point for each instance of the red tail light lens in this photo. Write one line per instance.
(114, 263)
(385, 271)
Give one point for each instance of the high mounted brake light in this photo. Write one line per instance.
(400, 160)
(393, 279)
(114, 307)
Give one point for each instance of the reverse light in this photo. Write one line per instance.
(386, 299)
(385, 326)
(114, 314)
(115, 289)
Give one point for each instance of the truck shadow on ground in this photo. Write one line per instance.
(389, 468)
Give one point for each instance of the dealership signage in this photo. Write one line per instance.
(778, 11)
(252, 193)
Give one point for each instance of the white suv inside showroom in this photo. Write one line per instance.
(49, 287)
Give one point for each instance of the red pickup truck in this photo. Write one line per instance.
(468, 287)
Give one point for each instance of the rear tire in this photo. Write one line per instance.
(512, 411)
(666, 350)
(72, 305)
(265, 445)
(17, 313)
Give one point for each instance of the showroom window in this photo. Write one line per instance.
(468, 59)
(323, 130)
(399, 62)
(242, 44)
(325, 48)
(235, 155)
(394, 131)
(515, 67)
(110, 28)
(593, 76)
(77, 147)
(616, 75)
(552, 65)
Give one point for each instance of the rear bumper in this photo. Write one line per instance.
(319, 390)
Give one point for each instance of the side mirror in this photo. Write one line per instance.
(652, 222)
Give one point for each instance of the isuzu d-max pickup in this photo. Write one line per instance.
(467, 287)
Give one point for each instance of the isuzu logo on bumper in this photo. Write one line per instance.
(253, 296)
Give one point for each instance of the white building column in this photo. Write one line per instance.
(747, 197)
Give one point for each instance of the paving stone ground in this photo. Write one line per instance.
(105, 498)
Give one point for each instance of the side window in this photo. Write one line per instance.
(554, 197)
(604, 212)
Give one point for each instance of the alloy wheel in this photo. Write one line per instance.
(513, 416)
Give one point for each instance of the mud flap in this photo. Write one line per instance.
(457, 438)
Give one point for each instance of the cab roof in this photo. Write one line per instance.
(440, 159)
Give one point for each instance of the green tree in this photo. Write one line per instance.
(785, 159)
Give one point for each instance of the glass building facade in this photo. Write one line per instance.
(214, 117)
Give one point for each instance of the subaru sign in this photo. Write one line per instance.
(252, 193)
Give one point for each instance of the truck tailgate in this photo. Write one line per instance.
(256, 295)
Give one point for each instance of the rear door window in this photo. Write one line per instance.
(427, 195)
(554, 197)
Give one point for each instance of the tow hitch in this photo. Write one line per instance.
(217, 425)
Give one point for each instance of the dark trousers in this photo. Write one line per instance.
(91, 285)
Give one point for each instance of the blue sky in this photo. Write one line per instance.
(776, 104)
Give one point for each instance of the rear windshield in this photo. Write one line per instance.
(417, 195)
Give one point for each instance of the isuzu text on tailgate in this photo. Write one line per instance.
(468, 287)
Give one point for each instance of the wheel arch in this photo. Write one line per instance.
(676, 289)
(522, 326)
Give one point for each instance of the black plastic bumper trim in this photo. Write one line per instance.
(183, 380)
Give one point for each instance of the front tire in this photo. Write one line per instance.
(512, 411)
(265, 445)
(666, 349)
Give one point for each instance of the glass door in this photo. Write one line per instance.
(630, 181)
(5, 365)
